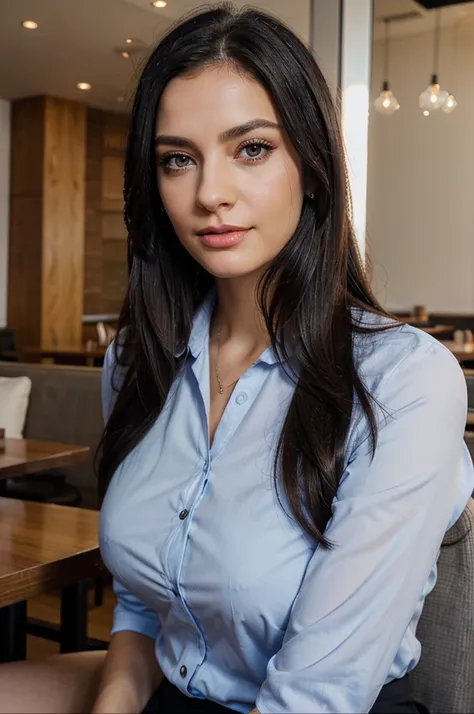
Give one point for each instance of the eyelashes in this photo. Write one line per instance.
(179, 161)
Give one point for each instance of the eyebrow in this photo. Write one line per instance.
(228, 135)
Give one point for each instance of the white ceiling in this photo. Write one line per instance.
(80, 41)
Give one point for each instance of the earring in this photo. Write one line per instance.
(311, 195)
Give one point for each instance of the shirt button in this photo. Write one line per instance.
(183, 671)
(241, 398)
(184, 514)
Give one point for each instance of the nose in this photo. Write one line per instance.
(216, 186)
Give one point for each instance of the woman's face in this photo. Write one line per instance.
(225, 164)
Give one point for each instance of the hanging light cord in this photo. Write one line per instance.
(436, 46)
(387, 49)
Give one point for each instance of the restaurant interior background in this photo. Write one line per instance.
(419, 210)
(66, 87)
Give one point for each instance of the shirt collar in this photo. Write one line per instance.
(200, 330)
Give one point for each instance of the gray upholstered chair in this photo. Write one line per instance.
(469, 375)
(444, 677)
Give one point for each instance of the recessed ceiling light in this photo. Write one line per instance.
(129, 41)
(159, 3)
(120, 100)
(125, 55)
(29, 25)
(84, 85)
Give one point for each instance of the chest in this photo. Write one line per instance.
(180, 511)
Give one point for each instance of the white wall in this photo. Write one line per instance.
(355, 90)
(421, 179)
(4, 204)
(341, 38)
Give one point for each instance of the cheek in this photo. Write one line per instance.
(277, 198)
(178, 200)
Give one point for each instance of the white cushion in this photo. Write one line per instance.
(14, 398)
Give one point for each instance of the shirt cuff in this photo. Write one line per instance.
(126, 621)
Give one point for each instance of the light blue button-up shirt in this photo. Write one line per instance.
(245, 609)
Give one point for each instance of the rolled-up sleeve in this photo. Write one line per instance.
(388, 521)
(130, 613)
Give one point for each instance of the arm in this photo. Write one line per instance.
(131, 672)
(130, 675)
(388, 520)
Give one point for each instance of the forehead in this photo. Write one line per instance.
(213, 100)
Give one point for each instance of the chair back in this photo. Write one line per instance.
(443, 680)
(7, 341)
(469, 375)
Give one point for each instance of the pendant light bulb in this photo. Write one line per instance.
(433, 97)
(450, 104)
(386, 103)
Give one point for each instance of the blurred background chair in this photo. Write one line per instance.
(469, 375)
(443, 680)
(7, 345)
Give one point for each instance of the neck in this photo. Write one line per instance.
(238, 316)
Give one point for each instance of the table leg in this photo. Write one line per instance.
(73, 631)
(13, 632)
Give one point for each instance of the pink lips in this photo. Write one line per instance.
(222, 236)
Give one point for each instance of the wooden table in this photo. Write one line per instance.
(430, 329)
(45, 547)
(463, 353)
(28, 456)
(438, 330)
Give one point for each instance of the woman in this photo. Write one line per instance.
(281, 460)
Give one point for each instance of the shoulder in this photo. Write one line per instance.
(383, 356)
(405, 369)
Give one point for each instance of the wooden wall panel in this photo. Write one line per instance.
(63, 223)
(27, 147)
(67, 247)
(105, 265)
(93, 242)
(112, 183)
(26, 212)
(24, 270)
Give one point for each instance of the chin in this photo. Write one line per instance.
(225, 268)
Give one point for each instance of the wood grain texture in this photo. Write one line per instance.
(45, 275)
(63, 223)
(105, 266)
(27, 146)
(28, 456)
(44, 547)
(24, 269)
(26, 216)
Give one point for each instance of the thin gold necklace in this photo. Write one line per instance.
(218, 375)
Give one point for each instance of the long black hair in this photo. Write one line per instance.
(307, 295)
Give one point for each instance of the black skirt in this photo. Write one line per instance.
(394, 698)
